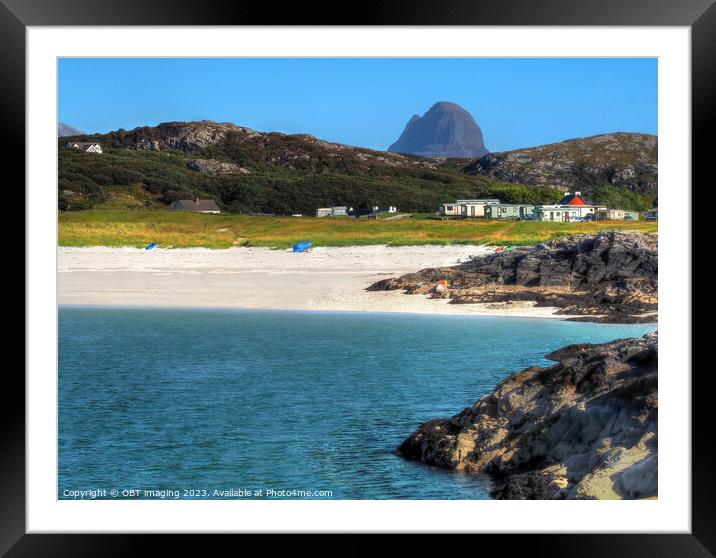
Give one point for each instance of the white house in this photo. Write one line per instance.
(86, 146)
(558, 212)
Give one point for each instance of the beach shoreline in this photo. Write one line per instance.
(324, 279)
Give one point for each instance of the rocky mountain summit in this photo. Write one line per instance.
(446, 130)
(65, 130)
(584, 428)
(619, 159)
(611, 276)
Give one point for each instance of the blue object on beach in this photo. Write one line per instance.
(302, 246)
(152, 245)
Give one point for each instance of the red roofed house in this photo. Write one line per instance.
(573, 199)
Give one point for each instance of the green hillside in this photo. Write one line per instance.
(619, 169)
(247, 171)
(253, 172)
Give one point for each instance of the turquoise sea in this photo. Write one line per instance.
(174, 403)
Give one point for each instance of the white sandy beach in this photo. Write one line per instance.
(260, 278)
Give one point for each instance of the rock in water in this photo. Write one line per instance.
(446, 130)
(585, 428)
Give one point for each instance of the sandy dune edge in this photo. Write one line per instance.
(260, 278)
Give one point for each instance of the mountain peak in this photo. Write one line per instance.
(64, 130)
(446, 105)
(445, 130)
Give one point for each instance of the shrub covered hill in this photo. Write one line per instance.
(619, 169)
(257, 172)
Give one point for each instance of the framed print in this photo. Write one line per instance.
(391, 275)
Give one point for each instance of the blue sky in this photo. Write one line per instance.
(518, 102)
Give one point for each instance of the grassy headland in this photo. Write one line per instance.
(182, 230)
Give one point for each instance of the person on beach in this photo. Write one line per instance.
(440, 288)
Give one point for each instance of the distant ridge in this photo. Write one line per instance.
(446, 130)
(623, 159)
(64, 130)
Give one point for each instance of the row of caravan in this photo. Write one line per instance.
(487, 209)
(569, 211)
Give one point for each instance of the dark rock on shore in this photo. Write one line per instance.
(612, 275)
(584, 428)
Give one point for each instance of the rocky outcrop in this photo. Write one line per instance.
(610, 276)
(585, 428)
(446, 130)
(249, 147)
(212, 166)
(584, 164)
(184, 136)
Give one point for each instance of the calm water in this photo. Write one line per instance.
(204, 400)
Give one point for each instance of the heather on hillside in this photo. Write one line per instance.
(286, 175)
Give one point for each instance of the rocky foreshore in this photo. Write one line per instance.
(584, 428)
(611, 276)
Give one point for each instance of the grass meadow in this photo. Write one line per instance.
(183, 230)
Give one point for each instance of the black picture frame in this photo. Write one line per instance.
(699, 15)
